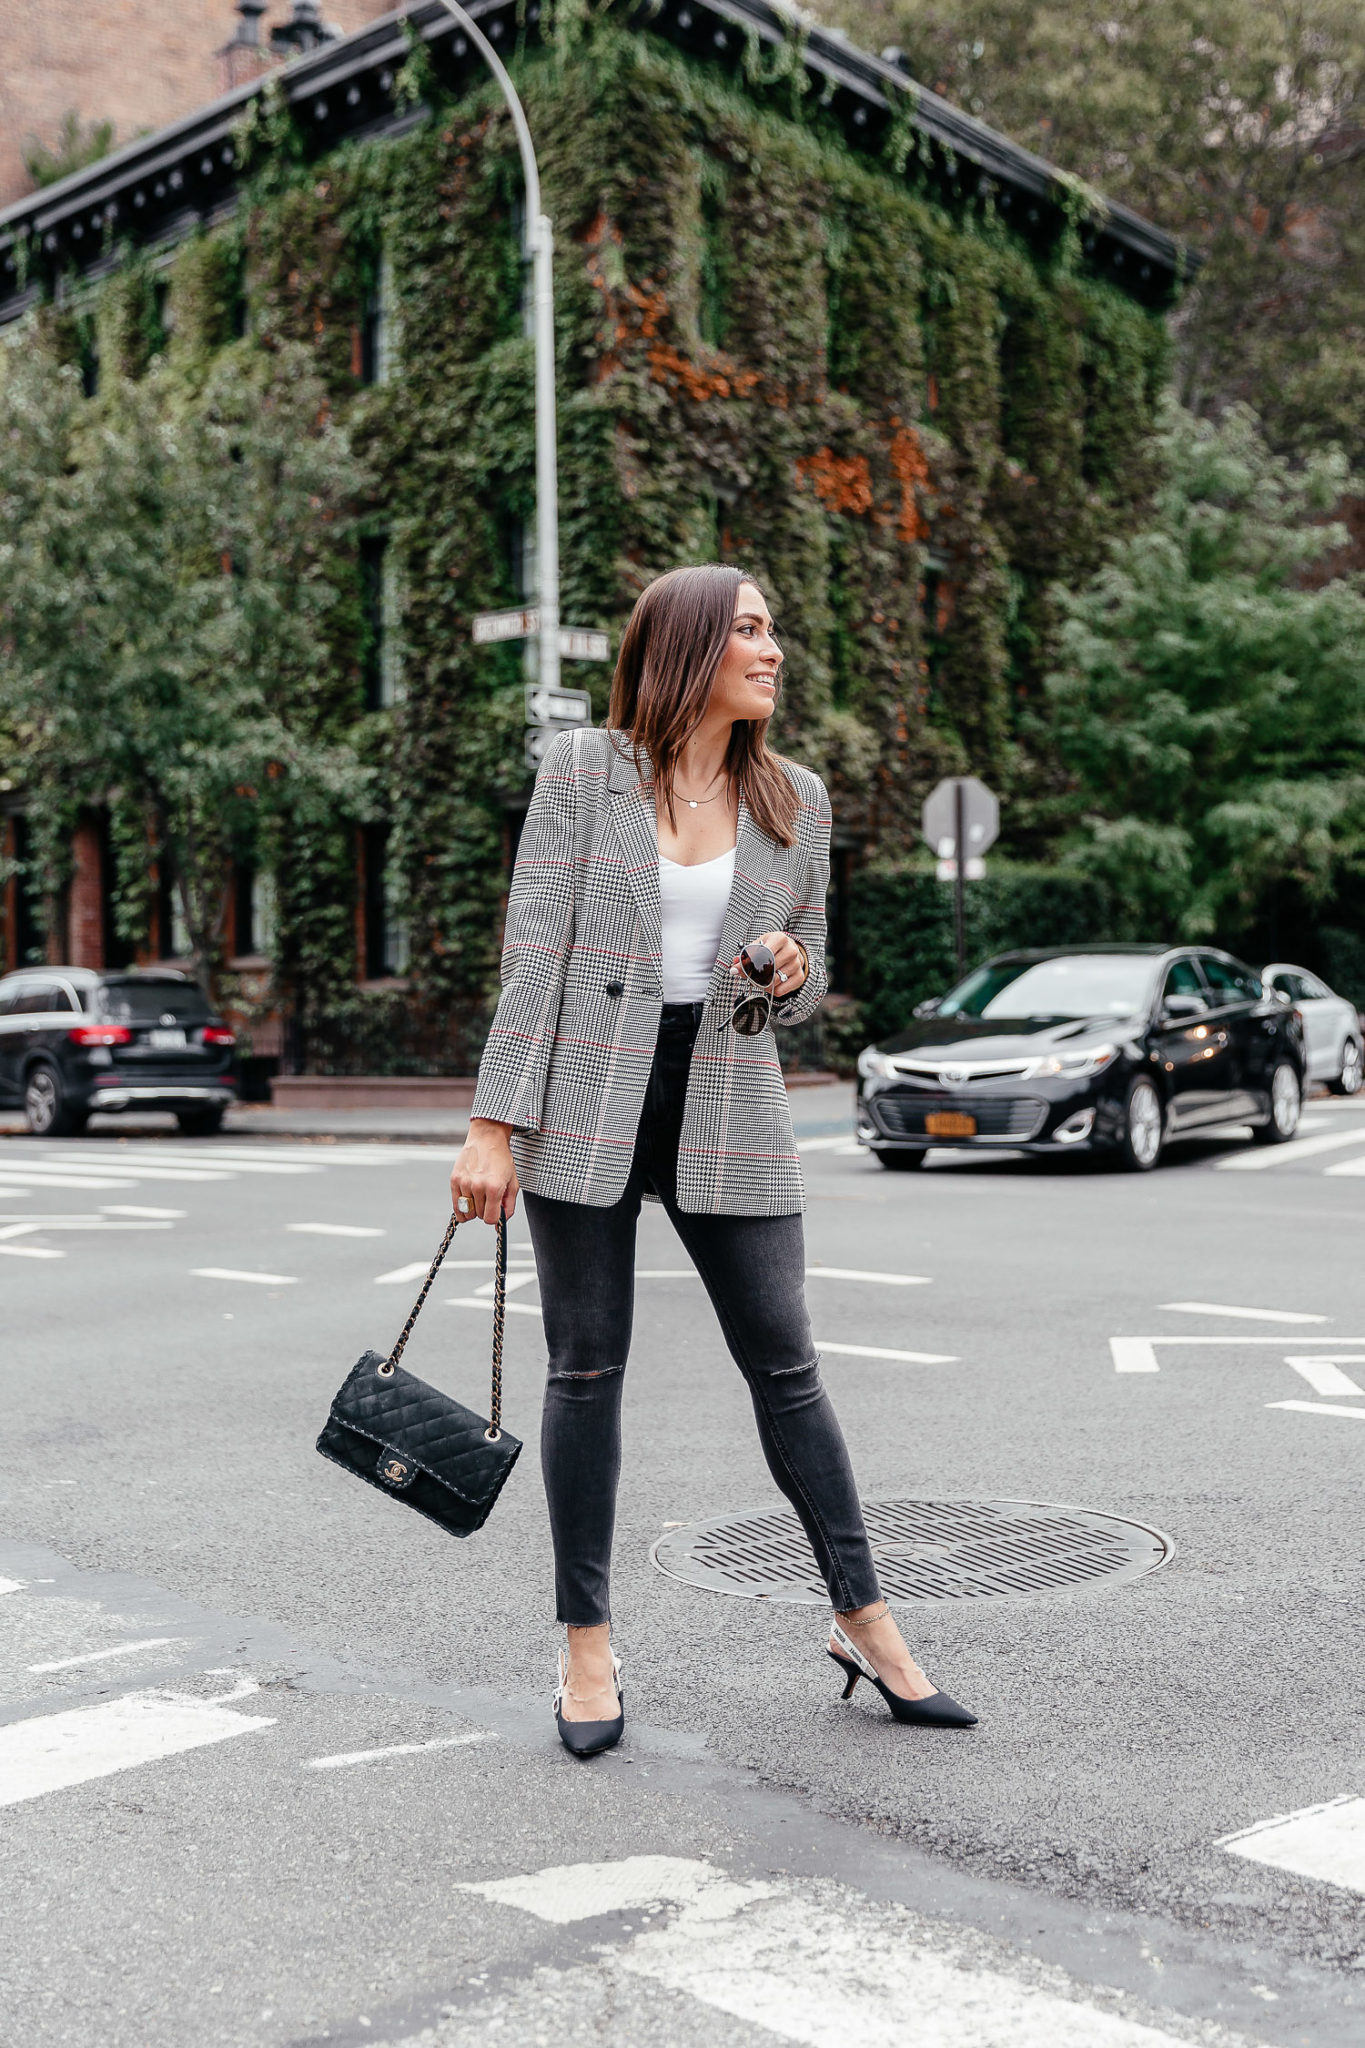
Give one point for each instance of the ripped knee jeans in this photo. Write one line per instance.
(753, 1269)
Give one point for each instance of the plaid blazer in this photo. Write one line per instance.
(568, 1056)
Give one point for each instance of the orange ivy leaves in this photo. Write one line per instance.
(844, 483)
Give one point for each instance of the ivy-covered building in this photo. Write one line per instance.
(810, 319)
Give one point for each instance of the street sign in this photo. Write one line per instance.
(576, 643)
(557, 707)
(539, 740)
(582, 643)
(493, 626)
(980, 821)
(961, 818)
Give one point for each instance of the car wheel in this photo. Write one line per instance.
(1144, 1128)
(1352, 1071)
(45, 1104)
(200, 1123)
(1286, 1101)
(900, 1162)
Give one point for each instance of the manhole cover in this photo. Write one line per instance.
(925, 1550)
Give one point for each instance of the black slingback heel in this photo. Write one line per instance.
(939, 1710)
(589, 1738)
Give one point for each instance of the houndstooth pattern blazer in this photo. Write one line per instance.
(568, 1057)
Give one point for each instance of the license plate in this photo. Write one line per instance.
(162, 1039)
(950, 1123)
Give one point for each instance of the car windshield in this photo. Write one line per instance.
(1075, 985)
(147, 1002)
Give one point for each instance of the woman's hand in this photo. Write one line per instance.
(791, 962)
(484, 1177)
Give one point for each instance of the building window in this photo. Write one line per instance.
(386, 932)
(254, 918)
(381, 598)
(375, 344)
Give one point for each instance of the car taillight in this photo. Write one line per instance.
(100, 1034)
(218, 1034)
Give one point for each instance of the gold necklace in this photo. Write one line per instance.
(693, 801)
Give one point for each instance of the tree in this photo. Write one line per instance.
(1237, 124)
(168, 582)
(1209, 700)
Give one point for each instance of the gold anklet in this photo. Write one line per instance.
(867, 1620)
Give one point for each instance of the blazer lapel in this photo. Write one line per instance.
(755, 854)
(631, 805)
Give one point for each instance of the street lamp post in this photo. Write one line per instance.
(539, 245)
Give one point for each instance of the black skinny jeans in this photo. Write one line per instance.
(753, 1268)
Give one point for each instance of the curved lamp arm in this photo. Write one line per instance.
(539, 243)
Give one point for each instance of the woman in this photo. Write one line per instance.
(632, 1056)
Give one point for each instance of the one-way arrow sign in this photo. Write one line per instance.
(557, 707)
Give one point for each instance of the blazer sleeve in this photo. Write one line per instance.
(535, 955)
(807, 918)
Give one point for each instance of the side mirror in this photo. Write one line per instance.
(928, 1008)
(1178, 1009)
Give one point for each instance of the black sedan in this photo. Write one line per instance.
(73, 1041)
(1110, 1049)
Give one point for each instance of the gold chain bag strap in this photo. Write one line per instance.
(412, 1441)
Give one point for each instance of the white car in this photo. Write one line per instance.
(1331, 1026)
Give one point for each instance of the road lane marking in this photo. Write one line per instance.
(345, 1759)
(30, 1251)
(69, 1221)
(11, 1585)
(131, 1209)
(513, 1280)
(102, 1656)
(1251, 1315)
(1346, 1166)
(132, 1171)
(514, 1308)
(822, 1144)
(1326, 1842)
(1324, 1374)
(156, 1166)
(1258, 1158)
(876, 1279)
(823, 1970)
(336, 1229)
(1138, 1354)
(55, 1179)
(416, 1271)
(55, 1751)
(254, 1279)
(876, 1351)
(1318, 1408)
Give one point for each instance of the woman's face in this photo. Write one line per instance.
(746, 682)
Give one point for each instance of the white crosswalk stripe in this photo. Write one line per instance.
(820, 1964)
(51, 1752)
(1326, 1842)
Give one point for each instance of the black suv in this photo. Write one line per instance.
(73, 1041)
(1106, 1048)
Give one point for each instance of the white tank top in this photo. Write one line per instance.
(694, 902)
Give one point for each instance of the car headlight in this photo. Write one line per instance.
(874, 1065)
(1074, 1064)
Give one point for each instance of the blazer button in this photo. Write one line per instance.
(616, 988)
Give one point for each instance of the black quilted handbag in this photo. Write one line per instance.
(415, 1443)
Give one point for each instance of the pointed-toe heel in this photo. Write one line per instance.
(939, 1710)
(589, 1738)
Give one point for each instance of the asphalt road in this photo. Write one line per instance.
(206, 1632)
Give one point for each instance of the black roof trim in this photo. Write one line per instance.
(159, 186)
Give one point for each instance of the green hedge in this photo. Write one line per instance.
(901, 937)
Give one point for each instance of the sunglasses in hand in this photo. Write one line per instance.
(758, 965)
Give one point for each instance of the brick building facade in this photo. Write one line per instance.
(138, 63)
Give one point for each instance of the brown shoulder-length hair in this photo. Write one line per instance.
(668, 661)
